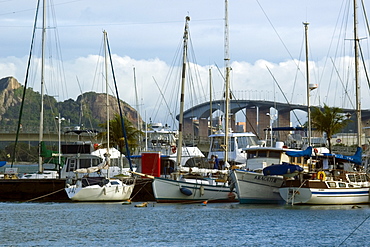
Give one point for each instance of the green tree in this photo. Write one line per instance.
(330, 120)
(116, 135)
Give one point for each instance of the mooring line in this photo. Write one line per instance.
(44, 195)
(354, 231)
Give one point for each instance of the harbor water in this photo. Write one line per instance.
(219, 224)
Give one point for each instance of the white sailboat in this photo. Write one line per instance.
(100, 188)
(189, 184)
(341, 179)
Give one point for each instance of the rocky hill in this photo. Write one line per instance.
(89, 110)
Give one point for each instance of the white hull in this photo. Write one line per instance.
(295, 195)
(168, 190)
(107, 192)
(252, 187)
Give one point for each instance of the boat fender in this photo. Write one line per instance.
(186, 191)
(321, 175)
(201, 190)
(231, 195)
(142, 205)
(173, 149)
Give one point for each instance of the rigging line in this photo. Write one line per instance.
(223, 79)
(244, 114)
(341, 81)
(26, 10)
(281, 40)
(164, 99)
(364, 65)
(167, 85)
(273, 77)
(354, 230)
(296, 73)
(195, 66)
(59, 54)
(365, 16)
(119, 106)
(25, 83)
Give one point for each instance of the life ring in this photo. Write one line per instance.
(321, 175)
(173, 149)
(315, 150)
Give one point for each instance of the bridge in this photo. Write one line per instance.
(196, 121)
(256, 119)
(49, 136)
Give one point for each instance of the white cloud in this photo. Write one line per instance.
(263, 35)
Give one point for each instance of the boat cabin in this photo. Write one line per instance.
(237, 141)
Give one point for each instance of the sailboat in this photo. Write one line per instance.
(191, 184)
(339, 179)
(102, 188)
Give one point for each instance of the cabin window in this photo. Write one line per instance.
(114, 183)
(85, 163)
(332, 184)
(274, 154)
(242, 142)
(262, 154)
(251, 154)
(199, 162)
(341, 185)
(217, 144)
(252, 140)
(232, 144)
(351, 178)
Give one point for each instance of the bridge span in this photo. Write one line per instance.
(255, 120)
(48, 137)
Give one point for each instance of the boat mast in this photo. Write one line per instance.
(181, 117)
(106, 91)
(41, 129)
(227, 82)
(358, 96)
(137, 107)
(210, 102)
(308, 86)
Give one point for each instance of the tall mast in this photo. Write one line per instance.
(227, 81)
(358, 96)
(181, 117)
(308, 86)
(106, 84)
(137, 106)
(41, 129)
(210, 102)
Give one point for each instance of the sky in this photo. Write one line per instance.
(266, 50)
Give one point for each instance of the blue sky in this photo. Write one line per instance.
(147, 34)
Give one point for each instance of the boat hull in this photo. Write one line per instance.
(40, 190)
(98, 193)
(171, 191)
(296, 195)
(252, 187)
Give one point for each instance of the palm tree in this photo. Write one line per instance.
(330, 120)
(116, 135)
